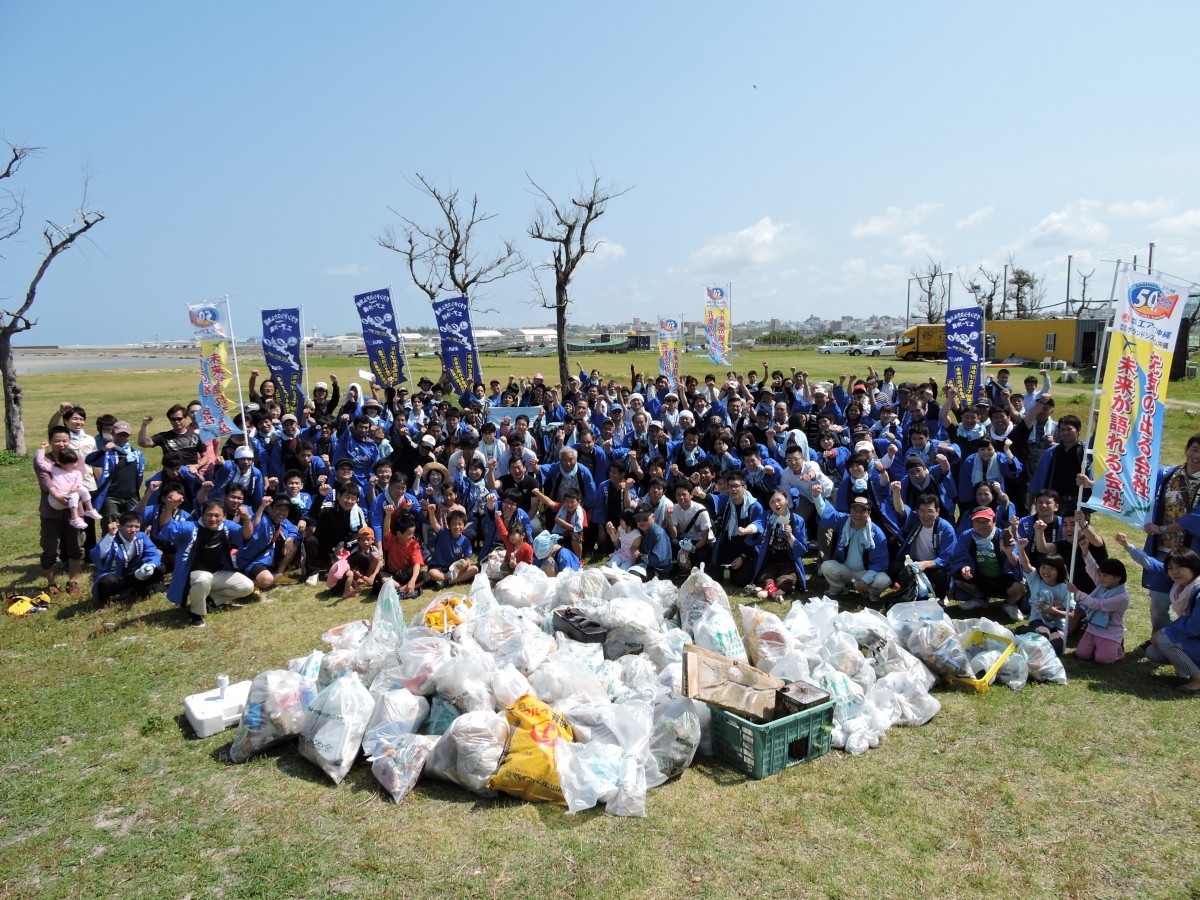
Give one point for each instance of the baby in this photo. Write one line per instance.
(67, 490)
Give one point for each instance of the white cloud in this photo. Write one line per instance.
(974, 218)
(1141, 209)
(350, 269)
(893, 220)
(1185, 224)
(915, 244)
(854, 267)
(1076, 223)
(764, 242)
(607, 251)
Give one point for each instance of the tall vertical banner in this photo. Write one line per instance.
(459, 353)
(1129, 432)
(281, 342)
(669, 340)
(381, 336)
(716, 325)
(215, 373)
(964, 350)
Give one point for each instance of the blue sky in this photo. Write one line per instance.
(812, 155)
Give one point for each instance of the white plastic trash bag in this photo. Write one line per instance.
(698, 592)
(347, 636)
(527, 586)
(908, 617)
(422, 656)
(396, 713)
(466, 682)
(1044, 665)
(334, 725)
(1014, 673)
(470, 750)
(716, 631)
(915, 704)
(674, 737)
(937, 644)
(509, 685)
(588, 773)
(563, 684)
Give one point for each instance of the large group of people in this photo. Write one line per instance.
(880, 489)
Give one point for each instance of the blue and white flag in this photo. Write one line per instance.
(381, 336)
(459, 353)
(282, 344)
(964, 350)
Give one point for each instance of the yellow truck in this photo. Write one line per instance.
(1074, 340)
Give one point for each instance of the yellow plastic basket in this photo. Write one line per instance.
(976, 642)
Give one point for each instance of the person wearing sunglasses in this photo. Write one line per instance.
(180, 439)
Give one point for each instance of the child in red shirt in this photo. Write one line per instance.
(516, 548)
(402, 551)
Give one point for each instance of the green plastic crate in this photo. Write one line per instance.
(764, 750)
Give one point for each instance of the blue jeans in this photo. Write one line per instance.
(1160, 610)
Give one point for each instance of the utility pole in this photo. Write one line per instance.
(1004, 296)
(1150, 260)
(1068, 285)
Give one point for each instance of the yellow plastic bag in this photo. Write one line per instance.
(527, 769)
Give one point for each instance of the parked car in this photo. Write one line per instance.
(876, 347)
(837, 347)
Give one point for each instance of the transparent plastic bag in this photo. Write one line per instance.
(441, 715)
(348, 635)
(332, 734)
(915, 704)
(422, 656)
(309, 670)
(588, 772)
(937, 644)
(1014, 673)
(396, 713)
(716, 631)
(467, 682)
(767, 640)
(470, 750)
(528, 586)
(509, 685)
(1044, 665)
(274, 712)
(397, 766)
(674, 737)
(564, 684)
(697, 593)
(334, 665)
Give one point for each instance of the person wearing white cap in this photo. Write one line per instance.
(242, 472)
(325, 403)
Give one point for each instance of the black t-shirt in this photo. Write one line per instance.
(212, 550)
(187, 445)
(1082, 579)
(524, 488)
(123, 483)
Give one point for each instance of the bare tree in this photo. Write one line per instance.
(1084, 308)
(59, 239)
(983, 286)
(1028, 290)
(564, 225)
(442, 258)
(934, 283)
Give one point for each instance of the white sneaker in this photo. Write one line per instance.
(1013, 612)
(313, 580)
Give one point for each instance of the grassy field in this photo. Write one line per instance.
(1080, 790)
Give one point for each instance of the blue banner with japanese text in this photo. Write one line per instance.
(282, 344)
(964, 351)
(381, 336)
(459, 354)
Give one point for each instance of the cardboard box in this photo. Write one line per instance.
(729, 684)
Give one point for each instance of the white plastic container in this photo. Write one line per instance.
(209, 713)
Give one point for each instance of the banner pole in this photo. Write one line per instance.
(304, 346)
(237, 373)
(1097, 390)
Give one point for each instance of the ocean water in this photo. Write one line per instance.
(36, 364)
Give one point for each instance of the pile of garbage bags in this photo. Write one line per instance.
(481, 690)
